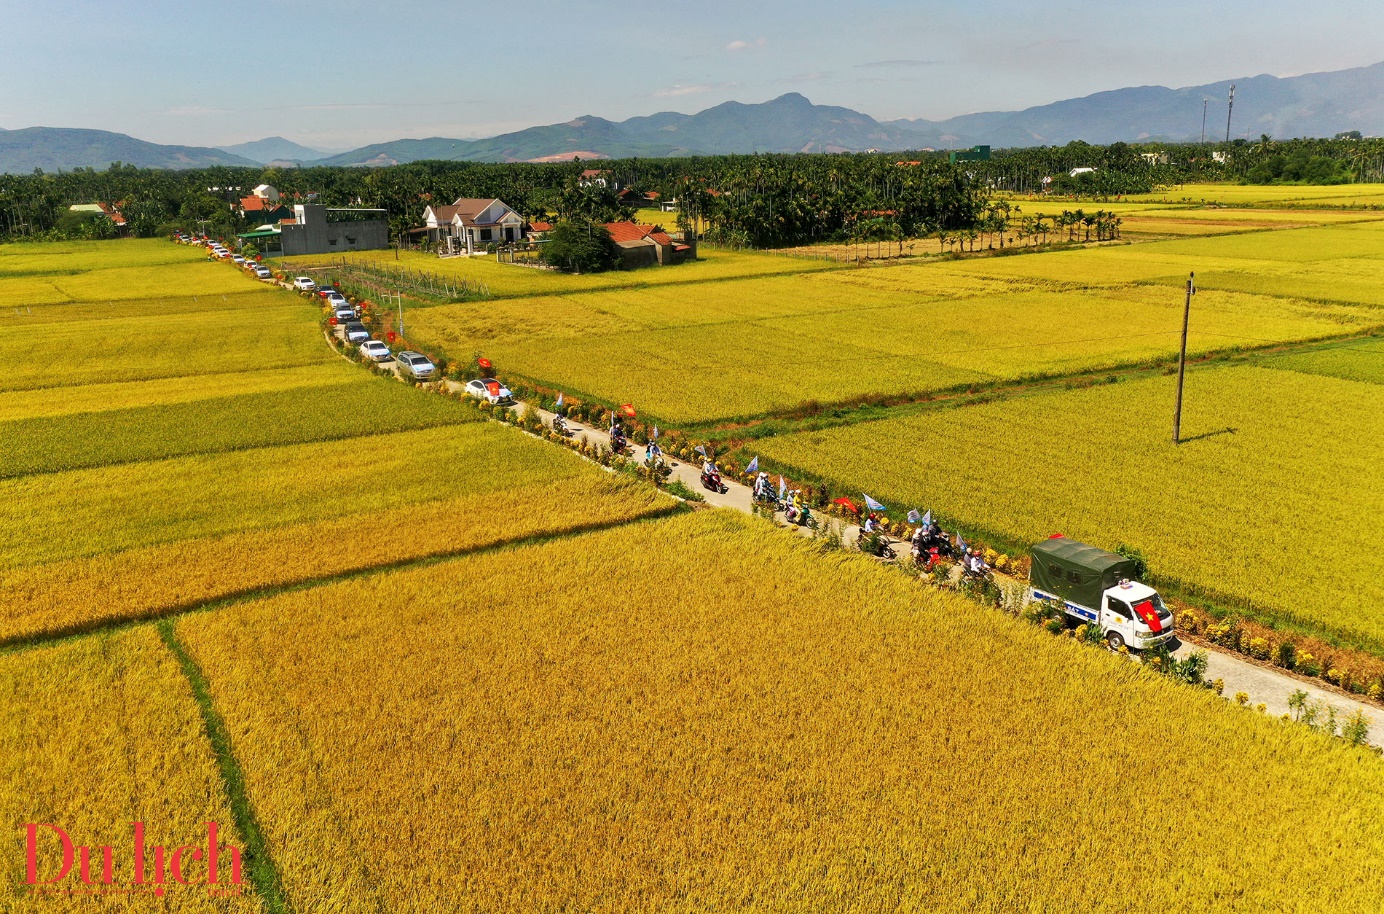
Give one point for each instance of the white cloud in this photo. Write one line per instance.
(740, 45)
(674, 91)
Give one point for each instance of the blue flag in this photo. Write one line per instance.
(960, 543)
(753, 467)
(700, 450)
(914, 517)
(872, 504)
(927, 519)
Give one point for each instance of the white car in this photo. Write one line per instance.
(374, 349)
(237, 259)
(489, 390)
(263, 273)
(223, 253)
(304, 284)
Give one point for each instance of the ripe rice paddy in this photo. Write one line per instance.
(597, 724)
(1278, 480)
(421, 653)
(97, 734)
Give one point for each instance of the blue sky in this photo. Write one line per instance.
(343, 74)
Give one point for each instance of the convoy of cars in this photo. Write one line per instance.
(410, 365)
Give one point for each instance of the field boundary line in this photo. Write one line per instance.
(264, 873)
(56, 636)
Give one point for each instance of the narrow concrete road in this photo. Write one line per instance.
(1271, 687)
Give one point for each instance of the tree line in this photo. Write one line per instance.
(743, 200)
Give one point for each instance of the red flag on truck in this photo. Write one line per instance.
(1146, 612)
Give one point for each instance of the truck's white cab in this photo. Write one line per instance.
(1134, 614)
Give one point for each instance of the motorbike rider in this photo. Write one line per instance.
(975, 563)
(871, 525)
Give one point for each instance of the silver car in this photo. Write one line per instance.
(416, 366)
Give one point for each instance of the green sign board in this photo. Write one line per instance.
(974, 154)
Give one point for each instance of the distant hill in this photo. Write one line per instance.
(275, 149)
(65, 148)
(789, 123)
(1316, 105)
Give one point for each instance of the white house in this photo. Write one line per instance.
(1081, 171)
(469, 224)
(266, 192)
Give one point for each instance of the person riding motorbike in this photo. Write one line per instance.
(559, 425)
(711, 476)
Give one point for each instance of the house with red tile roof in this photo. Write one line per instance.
(258, 208)
(648, 245)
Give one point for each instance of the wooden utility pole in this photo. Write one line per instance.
(1182, 359)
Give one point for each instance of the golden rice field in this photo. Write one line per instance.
(507, 280)
(1261, 195)
(597, 724)
(93, 512)
(1352, 360)
(461, 669)
(97, 271)
(748, 347)
(88, 398)
(1270, 505)
(81, 593)
(188, 344)
(96, 734)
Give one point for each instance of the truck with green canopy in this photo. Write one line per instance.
(1098, 588)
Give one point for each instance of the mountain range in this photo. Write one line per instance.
(1315, 104)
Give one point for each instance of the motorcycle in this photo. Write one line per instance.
(876, 544)
(657, 466)
(712, 482)
(618, 444)
(984, 575)
(926, 557)
(560, 426)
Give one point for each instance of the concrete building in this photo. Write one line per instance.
(318, 229)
